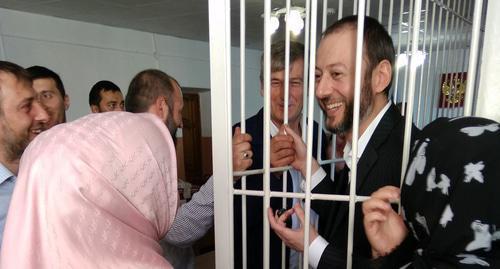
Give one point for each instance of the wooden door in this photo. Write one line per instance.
(191, 137)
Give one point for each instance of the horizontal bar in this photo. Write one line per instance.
(299, 195)
(260, 171)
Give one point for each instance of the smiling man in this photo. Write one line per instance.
(280, 156)
(51, 94)
(22, 118)
(380, 139)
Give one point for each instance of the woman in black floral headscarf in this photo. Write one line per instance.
(450, 201)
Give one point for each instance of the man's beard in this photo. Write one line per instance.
(365, 104)
(14, 145)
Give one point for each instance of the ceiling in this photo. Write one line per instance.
(181, 18)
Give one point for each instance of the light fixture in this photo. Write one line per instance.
(419, 59)
(296, 22)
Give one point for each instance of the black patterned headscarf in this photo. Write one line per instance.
(451, 194)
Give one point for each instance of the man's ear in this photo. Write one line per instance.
(261, 89)
(93, 108)
(162, 108)
(66, 102)
(381, 76)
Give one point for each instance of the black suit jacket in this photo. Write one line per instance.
(255, 210)
(379, 165)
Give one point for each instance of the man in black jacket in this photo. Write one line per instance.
(380, 141)
(279, 146)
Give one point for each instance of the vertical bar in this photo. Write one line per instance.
(463, 37)
(341, 8)
(453, 39)
(474, 48)
(306, 66)
(267, 139)
(243, 130)
(2, 44)
(420, 92)
(435, 96)
(408, 42)
(411, 90)
(285, 115)
(220, 83)
(367, 7)
(488, 93)
(320, 128)
(458, 60)
(389, 24)
(444, 58)
(355, 132)
(310, 115)
(428, 109)
(380, 8)
(355, 8)
(398, 53)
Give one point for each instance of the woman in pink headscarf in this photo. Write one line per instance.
(99, 192)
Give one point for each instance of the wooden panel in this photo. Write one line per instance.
(191, 134)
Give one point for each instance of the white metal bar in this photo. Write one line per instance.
(435, 96)
(310, 118)
(285, 112)
(243, 130)
(408, 42)
(389, 23)
(398, 53)
(459, 61)
(355, 131)
(464, 36)
(474, 48)
(428, 113)
(287, 62)
(300, 195)
(2, 44)
(355, 8)
(320, 128)
(341, 8)
(421, 89)
(380, 8)
(411, 89)
(444, 68)
(220, 83)
(267, 139)
(306, 66)
(453, 49)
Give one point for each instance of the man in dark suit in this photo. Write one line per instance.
(380, 141)
(279, 146)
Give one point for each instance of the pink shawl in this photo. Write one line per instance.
(99, 192)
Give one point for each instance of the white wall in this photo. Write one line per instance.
(83, 53)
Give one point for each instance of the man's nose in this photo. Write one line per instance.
(322, 88)
(39, 113)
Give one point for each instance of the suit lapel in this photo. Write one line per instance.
(368, 159)
(379, 136)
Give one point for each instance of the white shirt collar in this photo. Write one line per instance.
(365, 137)
(275, 130)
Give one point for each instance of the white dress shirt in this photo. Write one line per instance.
(296, 181)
